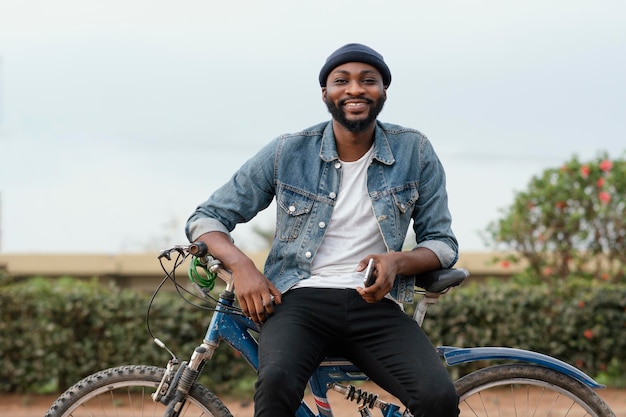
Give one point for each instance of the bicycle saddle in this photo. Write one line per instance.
(440, 280)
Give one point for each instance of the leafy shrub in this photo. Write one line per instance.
(570, 220)
(578, 321)
(56, 332)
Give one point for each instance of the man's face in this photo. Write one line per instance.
(355, 95)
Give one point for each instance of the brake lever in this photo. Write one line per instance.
(165, 253)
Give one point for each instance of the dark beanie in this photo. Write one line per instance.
(355, 52)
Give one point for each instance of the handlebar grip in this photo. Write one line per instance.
(198, 249)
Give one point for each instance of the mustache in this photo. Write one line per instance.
(344, 100)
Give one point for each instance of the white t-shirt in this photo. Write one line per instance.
(351, 234)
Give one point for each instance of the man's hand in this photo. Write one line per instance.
(388, 265)
(256, 294)
(383, 271)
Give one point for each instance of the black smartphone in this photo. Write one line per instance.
(368, 275)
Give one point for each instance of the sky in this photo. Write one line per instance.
(118, 117)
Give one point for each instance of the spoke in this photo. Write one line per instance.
(539, 398)
(556, 398)
(469, 406)
(513, 397)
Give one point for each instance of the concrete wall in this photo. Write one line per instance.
(143, 271)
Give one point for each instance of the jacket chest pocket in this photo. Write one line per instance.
(404, 197)
(293, 210)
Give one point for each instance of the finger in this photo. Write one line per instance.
(370, 298)
(244, 306)
(259, 311)
(362, 265)
(277, 296)
(370, 294)
(268, 304)
(365, 291)
(248, 308)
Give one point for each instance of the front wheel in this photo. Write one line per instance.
(125, 391)
(526, 390)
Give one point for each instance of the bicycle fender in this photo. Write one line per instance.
(455, 355)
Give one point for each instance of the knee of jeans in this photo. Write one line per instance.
(440, 401)
(276, 377)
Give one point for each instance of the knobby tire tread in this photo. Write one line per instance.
(78, 391)
(511, 371)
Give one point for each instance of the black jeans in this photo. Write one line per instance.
(379, 338)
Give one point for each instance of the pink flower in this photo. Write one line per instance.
(505, 264)
(606, 165)
(584, 171)
(588, 334)
(600, 182)
(604, 196)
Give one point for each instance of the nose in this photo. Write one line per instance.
(354, 88)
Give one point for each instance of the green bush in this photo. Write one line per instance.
(56, 332)
(570, 220)
(578, 321)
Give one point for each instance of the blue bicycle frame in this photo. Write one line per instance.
(235, 330)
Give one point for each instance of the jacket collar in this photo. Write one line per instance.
(382, 149)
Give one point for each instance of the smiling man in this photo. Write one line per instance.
(346, 192)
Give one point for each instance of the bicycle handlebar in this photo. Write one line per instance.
(198, 249)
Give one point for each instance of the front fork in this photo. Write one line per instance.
(175, 386)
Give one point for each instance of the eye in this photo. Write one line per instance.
(340, 81)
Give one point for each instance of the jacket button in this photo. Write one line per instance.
(332, 195)
(292, 209)
(337, 165)
(322, 225)
(308, 254)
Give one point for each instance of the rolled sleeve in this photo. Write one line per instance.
(198, 226)
(447, 256)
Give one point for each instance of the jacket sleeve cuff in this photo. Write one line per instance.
(198, 227)
(446, 255)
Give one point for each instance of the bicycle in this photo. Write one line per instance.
(529, 384)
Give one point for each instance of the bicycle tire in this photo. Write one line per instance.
(125, 391)
(526, 390)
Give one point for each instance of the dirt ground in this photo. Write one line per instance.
(13, 405)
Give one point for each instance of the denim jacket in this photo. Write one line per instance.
(405, 181)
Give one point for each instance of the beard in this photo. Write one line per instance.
(355, 126)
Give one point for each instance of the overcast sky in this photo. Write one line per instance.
(118, 117)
